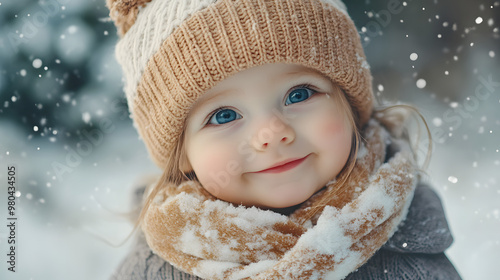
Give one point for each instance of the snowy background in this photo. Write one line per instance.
(64, 125)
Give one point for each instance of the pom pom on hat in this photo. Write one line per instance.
(124, 13)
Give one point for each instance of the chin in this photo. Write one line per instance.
(291, 198)
(286, 203)
(283, 202)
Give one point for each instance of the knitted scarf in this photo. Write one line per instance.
(214, 239)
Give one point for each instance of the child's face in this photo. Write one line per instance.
(262, 117)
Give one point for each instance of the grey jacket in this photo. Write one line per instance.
(415, 251)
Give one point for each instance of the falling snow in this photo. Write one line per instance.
(437, 122)
(72, 29)
(37, 63)
(453, 179)
(86, 117)
(421, 83)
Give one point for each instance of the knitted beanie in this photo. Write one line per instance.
(172, 51)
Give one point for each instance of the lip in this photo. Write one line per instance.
(283, 165)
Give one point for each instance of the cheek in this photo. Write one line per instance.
(210, 160)
(333, 132)
(331, 129)
(215, 166)
(334, 145)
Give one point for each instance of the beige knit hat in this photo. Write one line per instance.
(172, 51)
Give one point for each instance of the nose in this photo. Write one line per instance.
(272, 132)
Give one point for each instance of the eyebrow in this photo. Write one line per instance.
(201, 102)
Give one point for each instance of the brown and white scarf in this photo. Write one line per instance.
(214, 239)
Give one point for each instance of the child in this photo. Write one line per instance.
(276, 163)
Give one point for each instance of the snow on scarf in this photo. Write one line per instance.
(214, 239)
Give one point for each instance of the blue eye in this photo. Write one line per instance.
(298, 95)
(223, 116)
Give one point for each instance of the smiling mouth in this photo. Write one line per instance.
(282, 167)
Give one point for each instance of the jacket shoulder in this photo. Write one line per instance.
(392, 265)
(416, 250)
(142, 264)
(425, 229)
